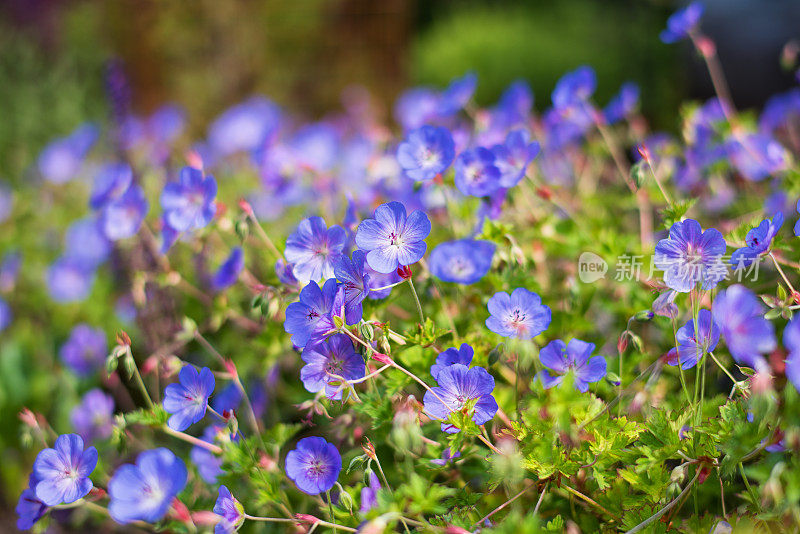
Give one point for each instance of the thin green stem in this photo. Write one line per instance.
(750, 490)
(330, 510)
(665, 509)
(138, 378)
(783, 275)
(416, 301)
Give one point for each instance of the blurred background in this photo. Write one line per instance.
(305, 54)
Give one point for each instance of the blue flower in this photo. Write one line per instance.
(93, 418)
(313, 248)
(426, 152)
(228, 272)
(110, 182)
(791, 339)
(476, 173)
(691, 255)
(391, 239)
(757, 156)
(85, 350)
(145, 491)
(574, 357)
(189, 204)
(62, 159)
(244, 127)
(513, 157)
(334, 356)
(231, 511)
(464, 261)
(369, 493)
(314, 465)
(691, 347)
(315, 147)
(681, 23)
(122, 217)
(187, 401)
(574, 88)
(380, 280)
(457, 94)
(310, 317)
(63, 471)
(284, 272)
(85, 244)
(356, 282)
(741, 321)
(67, 281)
(758, 241)
(446, 457)
(209, 465)
(623, 104)
(416, 106)
(30, 509)
(460, 389)
(6, 316)
(452, 356)
(521, 315)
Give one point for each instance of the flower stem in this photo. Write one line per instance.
(667, 508)
(191, 439)
(330, 510)
(416, 301)
(263, 235)
(138, 378)
(783, 275)
(509, 501)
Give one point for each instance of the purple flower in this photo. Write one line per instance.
(86, 244)
(574, 88)
(521, 315)
(189, 204)
(457, 94)
(378, 280)
(452, 356)
(623, 104)
(110, 182)
(187, 401)
(355, 280)
(231, 511)
(85, 351)
(67, 281)
(681, 23)
(757, 156)
(460, 389)
(691, 347)
(122, 217)
(30, 509)
(5, 315)
(334, 356)
(446, 457)
(63, 471)
(513, 157)
(228, 272)
(691, 255)
(313, 248)
(416, 106)
(476, 172)
(573, 357)
(93, 418)
(62, 159)
(310, 317)
(314, 465)
(426, 152)
(791, 339)
(391, 239)
(369, 494)
(740, 318)
(244, 127)
(316, 147)
(464, 261)
(145, 491)
(284, 272)
(758, 241)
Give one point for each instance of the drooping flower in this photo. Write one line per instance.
(691, 255)
(460, 389)
(62, 159)
(231, 511)
(310, 317)
(457, 94)
(665, 306)
(67, 281)
(476, 172)
(452, 356)
(189, 204)
(513, 157)
(334, 356)
(623, 103)
(521, 315)
(144, 491)
(85, 350)
(682, 22)
(426, 152)
(63, 471)
(369, 493)
(122, 217)
(93, 418)
(314, 465)
(313, 248)
(741, 321)
(30, 509)
(692, 347)
(356, 282)
(758, 241)
(393, 239)
(574, 357)
(464, 261)
(187, 401)
(228, 272)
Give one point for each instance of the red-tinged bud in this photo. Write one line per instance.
(383, 358)
(123, 338)
(28, 418)
(622, 342)
(704, 472)
(438, 179)
(95, 494)
(706, 46)
(796, 297)
(452, 529)
(358, 433)
(181, 512)
(644, 152)
(149, 365)
(404, 272)
(544, 192)
(222, 209)
(205, 518)
(307, 518)
(194, 160)
(761, 382)
(369, 448)
(267, 463)
(227, 414)
(246, 207)
(230, 367)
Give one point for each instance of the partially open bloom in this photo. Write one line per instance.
(189, 204)
(758, 241)
(145, 491)
(691, 256)
(460, 389)
(187, 401)
(93, 417)
(228, 272)
(682, 22)
(310, 317)
(575, 357)
(63, 471)
(521, 315)
(85, 351)
(691, 347)
(476, 172)
(369, 493)
(451, 356)
(356, 281)
(393, 239)
(740, 318)
(30, 509)
(513, 157)
(464, 261)
(314, 465)
(313, 248)
(328, 362)
(426, 152)
(231, 511)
